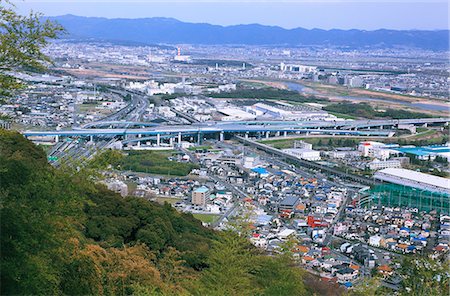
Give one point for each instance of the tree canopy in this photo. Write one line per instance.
(63, 234)
(21, 41)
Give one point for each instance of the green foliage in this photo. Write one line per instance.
(154, 162)
(322, 143)
(105, 159)
(277, 278)
(365, 110)
(424, 276)
(39, 211)
(21, 40)
(127, 98)
(236, 268)
(61, 234)
(268, 93)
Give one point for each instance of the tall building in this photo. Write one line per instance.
(200, 195)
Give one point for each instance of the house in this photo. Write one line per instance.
(346, 274)
(288, 203)
(385, 270)
(286, 233)
(376, 240)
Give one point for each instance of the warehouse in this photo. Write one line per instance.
(414, 179)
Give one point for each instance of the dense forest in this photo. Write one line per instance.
(62, 234)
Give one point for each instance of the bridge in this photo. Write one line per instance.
(258, 128)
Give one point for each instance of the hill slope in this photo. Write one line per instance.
(172, 31)
(63, 235)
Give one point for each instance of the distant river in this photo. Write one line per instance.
(424, 106)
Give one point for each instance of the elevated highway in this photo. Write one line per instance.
(261, 128)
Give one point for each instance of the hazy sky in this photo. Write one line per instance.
(325, 14)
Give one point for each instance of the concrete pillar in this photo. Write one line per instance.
(158, 140)
(56, 138)
(425, 125)
(139, 135)
(267, 134)
(246, 135)
(179, 138)
(277, 134)
(171, 141)
(221, 137)
(91, 138)
(199, 138)
(285, 134)
(139, 143)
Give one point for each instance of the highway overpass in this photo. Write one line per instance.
(258, 128)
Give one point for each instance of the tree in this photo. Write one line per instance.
(231, 269)
(21, 41)
(277, 278)
(424, 276)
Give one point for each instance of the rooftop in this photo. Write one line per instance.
(414, 176)
(202, 189)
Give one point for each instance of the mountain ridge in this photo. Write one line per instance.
(172, 31)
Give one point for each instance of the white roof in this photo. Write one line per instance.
(236, 112)
(417, 177)
(286, 232)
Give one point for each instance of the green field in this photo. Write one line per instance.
(327, 142)
(170, 200)
(206, 218)
(365, 110)
(87, 107)
(270, 93)
(155, 162)
(345, 116)
(204, 147)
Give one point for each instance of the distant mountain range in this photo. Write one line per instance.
(172, 31)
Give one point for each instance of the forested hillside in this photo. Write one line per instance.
(63, 234)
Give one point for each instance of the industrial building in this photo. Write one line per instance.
(426, 152)
(304, 153)
(384, 164)
(297, 68)
(414, 179)
(406, 188)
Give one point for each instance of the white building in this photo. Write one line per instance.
(303, 153)
(355, 82)
(414, 179)
(235, 114)
(376, 150)
(384, 164)
(297, 68)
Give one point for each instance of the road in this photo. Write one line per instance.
(304, 172)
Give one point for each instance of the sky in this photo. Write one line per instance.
(323, 14)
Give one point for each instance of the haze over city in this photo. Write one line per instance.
(368, 15)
